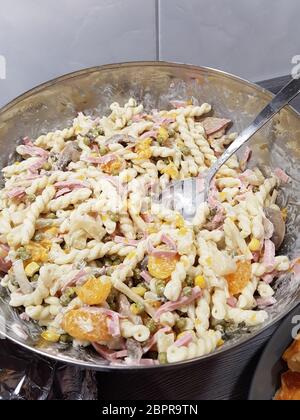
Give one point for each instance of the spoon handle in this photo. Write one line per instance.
(283, 97)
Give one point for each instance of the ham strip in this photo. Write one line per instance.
(71, 184)
(184, 340)
(163, 254)
(284, 178)
(153, 340)
(17, 192)
(265, 302)
(38, 164)
(31, 150)
(169, 241)
(100, 160)
(183, 301)
(151, 133)
(178, 104)
(269, 255)
(75, 280)
(212, 125)
(62, 192)
(146, 276)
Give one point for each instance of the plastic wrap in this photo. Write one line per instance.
(27, 376)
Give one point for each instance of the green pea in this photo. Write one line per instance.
(187, 291)
(185, 150)
(38, 237)
(31, 197)
(47, 166)
(35, 277)
(86, 141)
(159, 287)
(23, 254)
(152, 325)
(103, 150)
(189, 281)
(51, 216)
(162, 358)
(65, 339)
(68, 296)
(180, 324)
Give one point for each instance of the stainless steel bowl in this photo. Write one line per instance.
(54, 104)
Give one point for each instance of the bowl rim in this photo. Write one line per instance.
(123, 368)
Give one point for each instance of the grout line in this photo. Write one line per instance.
(157, 30)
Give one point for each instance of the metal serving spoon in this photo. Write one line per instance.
(186, 195)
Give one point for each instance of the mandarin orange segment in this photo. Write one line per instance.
(86, 324)
(238, 280)
(113, 167)
(162, 267)
(95, 291)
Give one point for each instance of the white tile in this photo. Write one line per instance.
(42, 40)
(254, 39)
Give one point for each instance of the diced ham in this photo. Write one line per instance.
(184, 340)
(148, 218)
(27, 141)
(282, 175)
(269, 255)
(245, 158)
(269, 277)
(107, 354)
(212, 125)
(25, 317)
(212, 200)
(168, 241)
(217, 220)
(4, 265)
(265, 302)
(146, 276)
(178, 104)
(17, 192)
(142, 362)
(183, 301)
(232, 302)
(138, 117)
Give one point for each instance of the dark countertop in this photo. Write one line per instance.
(225, 377)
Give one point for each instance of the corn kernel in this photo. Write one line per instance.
(31, 269)
(171, 170)
(209, 261)
(50, 336)
(179, 221)
(284, 213)
(172, 115)
(139, 290)
(223, 196)
(183, 231)
(136, 308)
(131, 255)
(162, 135)
(254, 245)
(200, 282)
(220, 343)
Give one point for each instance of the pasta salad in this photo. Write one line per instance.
(89, 256)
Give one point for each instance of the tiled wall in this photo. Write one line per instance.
(39, 40)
